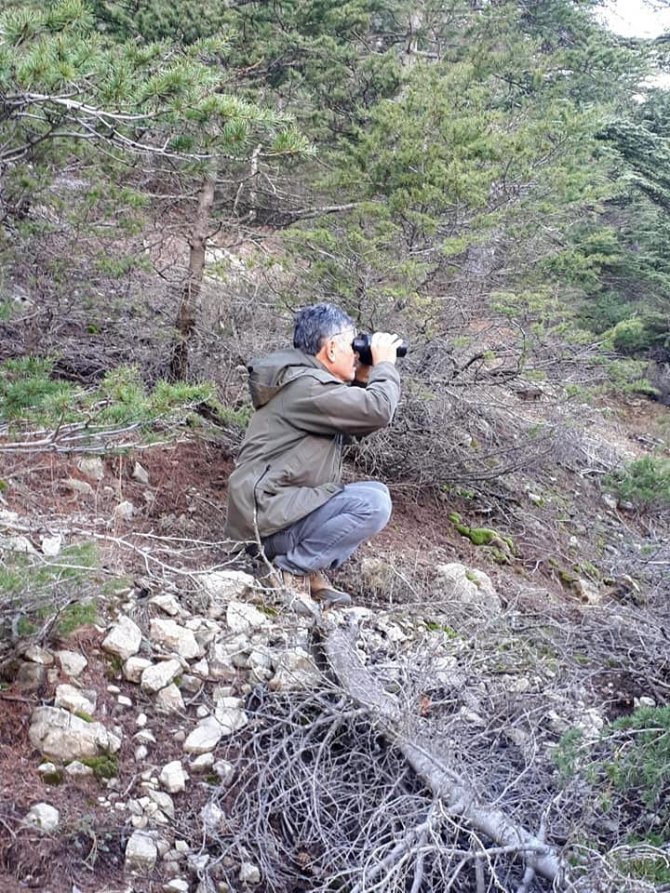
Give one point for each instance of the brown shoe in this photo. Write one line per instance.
(297, 593)
(323, 591)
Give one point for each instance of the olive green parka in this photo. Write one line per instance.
(290, 460)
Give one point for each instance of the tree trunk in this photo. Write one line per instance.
(190, 298)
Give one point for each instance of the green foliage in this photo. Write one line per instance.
(482, 536)
(646, 864)
(640, 760)
(644, 482)
(104, 766)
(637, 335)
(35, 591)
(27, 390)
(629, 768)
(569, 753)
(76, 615)
(630, 336)
(29, 394)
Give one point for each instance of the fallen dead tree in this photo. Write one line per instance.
(458, 796)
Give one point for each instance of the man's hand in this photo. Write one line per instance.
(384, 347)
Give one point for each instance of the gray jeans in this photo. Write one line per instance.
(327, 536)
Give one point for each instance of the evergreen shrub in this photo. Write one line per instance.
(644, 482)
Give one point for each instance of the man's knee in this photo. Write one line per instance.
(378, 506)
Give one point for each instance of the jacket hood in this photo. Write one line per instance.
(268, 375)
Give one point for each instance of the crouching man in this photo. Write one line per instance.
(285, 492)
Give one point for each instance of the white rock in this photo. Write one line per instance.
(20, 544)
(211, 816)
(202, 711)
(92, 467)
(76, 769)
(176, 885)
(141, 753)
(517, 684)
(62, 736)
(7, 517)
(140, 474)
(243, 618)
(134, 667)
(197, 864)
(139, 821)
(203, 763)
(51, 545)
(260, 658)
(158, 676)
(223, 587)
(47, 769)
(294, 670)
(167, 603)
(224, 770)
(220, 663)
(124, 638)
(76, 700)
(43, 816)
(141, 720)
(205, 736)
(182, 847)
(37, 655)
(391, 630)
(79, 486)
(643, 701)
(471, 717)
(145, 736)
(588, 591)
(124, 511)
(172, 777)
(222, 695)
(175, 638)
(72, 663)
(123, 701)
(141, 853)
(610, 501)
(163, 801)
(557, 723)
(250, 873)
(590, 723)
(169, 700)
(230, 719)
(201, 668)
(468, 586)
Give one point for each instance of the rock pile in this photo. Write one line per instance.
(212, 659)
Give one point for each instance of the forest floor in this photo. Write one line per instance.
(578, 567)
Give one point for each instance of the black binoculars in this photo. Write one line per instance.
(362, 346)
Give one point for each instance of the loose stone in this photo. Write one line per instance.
(172, 777)
(72, 663)
(169, 700)
(76, 700)
(134, 667)
(124, 638)
(204, 737)
(141, 852)
(43, 816)
(158, 676)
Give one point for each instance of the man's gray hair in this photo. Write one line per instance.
(315, 324)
